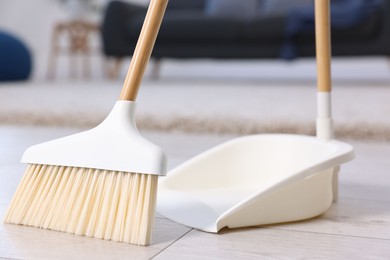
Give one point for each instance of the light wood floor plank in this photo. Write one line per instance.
(357, 227)
(265, 243)
(348, 217)
(32, 243)
(367, 176)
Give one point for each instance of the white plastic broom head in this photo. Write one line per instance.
(114, 145)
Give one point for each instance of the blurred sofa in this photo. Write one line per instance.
(189, 30)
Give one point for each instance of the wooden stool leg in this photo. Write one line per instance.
(156, 69)
(114, 72)
(54, 51)
(72, 66)
(105, 67)
(87, 69)
(51, 68)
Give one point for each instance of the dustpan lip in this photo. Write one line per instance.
(344, 148)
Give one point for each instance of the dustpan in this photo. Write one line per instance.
(262, 179)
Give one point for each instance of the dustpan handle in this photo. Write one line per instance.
(143, 49)
(324, 82)
(323, 45)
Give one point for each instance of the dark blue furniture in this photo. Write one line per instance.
(15, 58)
(188, 32)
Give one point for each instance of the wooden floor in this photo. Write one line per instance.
(357, 227)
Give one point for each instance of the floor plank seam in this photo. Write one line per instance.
(6, 258)
(330, 234)
(365, 200)
(173, 242)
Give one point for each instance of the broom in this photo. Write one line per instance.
(100, 183)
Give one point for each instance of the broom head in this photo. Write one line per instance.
(99, 183)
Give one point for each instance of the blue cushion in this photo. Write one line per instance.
(15, 58)
(232, 8)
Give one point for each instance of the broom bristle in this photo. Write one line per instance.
(103, 204)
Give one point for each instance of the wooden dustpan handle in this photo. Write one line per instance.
(324, 127)
(323, 42)
(143, 49)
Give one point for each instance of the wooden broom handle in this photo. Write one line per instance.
(144, 49)
(323, 45)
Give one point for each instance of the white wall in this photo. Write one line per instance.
(33, 21)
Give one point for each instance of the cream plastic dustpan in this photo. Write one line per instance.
(262, 179)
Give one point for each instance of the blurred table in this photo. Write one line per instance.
(77, 34)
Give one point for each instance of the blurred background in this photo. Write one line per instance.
(54, 53)
(41, 26)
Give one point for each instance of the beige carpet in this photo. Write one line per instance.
(235, 107)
